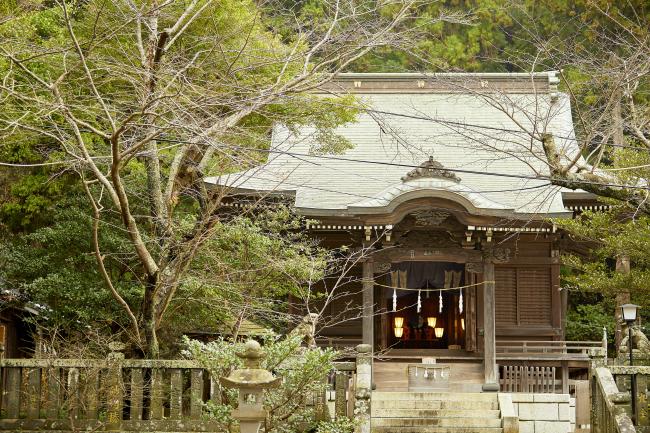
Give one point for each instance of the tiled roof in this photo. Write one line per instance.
(403, 129)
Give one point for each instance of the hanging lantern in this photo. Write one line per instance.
(439, 332)
(399, 322)
(460, 302)
(431, 321)
(419, 302)
(439, 301)
(394, 299)
(399, 332)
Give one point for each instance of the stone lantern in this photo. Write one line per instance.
(251, 381)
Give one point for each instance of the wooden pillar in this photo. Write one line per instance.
(383, 323)
(556, 303)
(565, 377)
(489, 330)
(564, 301)
(622, 266)
(367, 330)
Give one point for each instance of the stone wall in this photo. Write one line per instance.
(543, 413)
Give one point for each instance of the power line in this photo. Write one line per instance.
(322, 189)
(472, 125)
(376, 180)
(394, 164)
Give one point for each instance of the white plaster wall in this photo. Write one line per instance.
(544, 413)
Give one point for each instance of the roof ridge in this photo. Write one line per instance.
(444, 82)
(551, 73)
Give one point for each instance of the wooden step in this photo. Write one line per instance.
(434, 396)
(392, 376)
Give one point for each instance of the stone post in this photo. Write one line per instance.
(340, 405)
(114, 387)
(363, 388)
(251, 381)
(597, 358)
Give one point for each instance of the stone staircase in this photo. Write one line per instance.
(435, 412)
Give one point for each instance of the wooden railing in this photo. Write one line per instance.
(542, 347)
(516, 378)
(115, 395)
(608, 412)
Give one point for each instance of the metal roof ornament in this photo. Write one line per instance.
(430, 169)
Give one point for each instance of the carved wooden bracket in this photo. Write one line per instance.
(474, 267)
(497, 255)
(381, 267)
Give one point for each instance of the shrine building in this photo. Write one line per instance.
(445, 190)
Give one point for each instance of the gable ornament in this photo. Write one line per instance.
(427, 218)
(430, 169)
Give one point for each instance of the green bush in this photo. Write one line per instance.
(340, 425)
(303, 371)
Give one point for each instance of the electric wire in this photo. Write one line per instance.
(394, 164)
(470, 125)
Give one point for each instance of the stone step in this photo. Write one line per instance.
(410, 412)
(435, 404)
(437, 422)
(429, 429)
(442, 396)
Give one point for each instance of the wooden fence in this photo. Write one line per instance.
(516, 378)
(115, 395)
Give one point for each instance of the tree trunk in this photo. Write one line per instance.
(151, 348)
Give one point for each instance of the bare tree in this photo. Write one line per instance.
(182, 88)
(604, 73)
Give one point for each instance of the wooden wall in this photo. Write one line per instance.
(528, 299)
